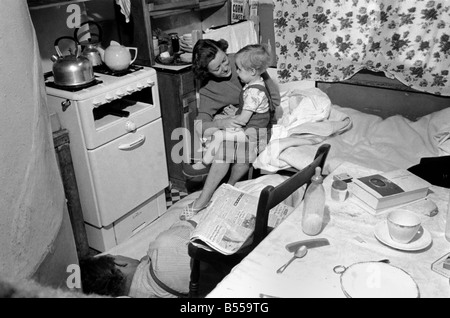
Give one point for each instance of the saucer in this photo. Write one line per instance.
(420, 241)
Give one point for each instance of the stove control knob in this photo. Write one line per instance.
(109, 97)
(130, 126)
(130, 89)
(140, 85)
(96, 103)
(150, 82)
(120, 93)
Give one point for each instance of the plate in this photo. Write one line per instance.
(174, 61)
(422, 239)
(377, 280)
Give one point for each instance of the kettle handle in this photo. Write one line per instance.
(99, 35)
(77, 45)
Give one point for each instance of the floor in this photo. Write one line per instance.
(174, 195)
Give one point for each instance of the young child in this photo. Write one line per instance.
(255, 110)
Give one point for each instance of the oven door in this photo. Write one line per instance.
(128, 171)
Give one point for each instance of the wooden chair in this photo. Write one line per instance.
(270, 196)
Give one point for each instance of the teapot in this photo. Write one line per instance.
(90, 47)
(118, 57)
(72, 69)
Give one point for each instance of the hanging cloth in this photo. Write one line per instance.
(332, 40)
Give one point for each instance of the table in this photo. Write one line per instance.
(350, 231)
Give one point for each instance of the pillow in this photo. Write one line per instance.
(435, 127)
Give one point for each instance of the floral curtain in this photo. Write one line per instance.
(331, 40)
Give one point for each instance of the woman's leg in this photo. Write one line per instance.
(217, 172)
(213, 147)
(238, 170)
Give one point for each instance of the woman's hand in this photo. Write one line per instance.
(231, 122)
(230, 110)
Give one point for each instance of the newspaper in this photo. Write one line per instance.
(229, 221)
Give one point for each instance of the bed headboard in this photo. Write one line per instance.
(376, 94)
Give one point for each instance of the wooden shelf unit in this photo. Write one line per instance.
(148, 15)
(172, 8)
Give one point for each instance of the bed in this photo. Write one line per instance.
(355, 136)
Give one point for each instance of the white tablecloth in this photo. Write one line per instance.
(350, 231)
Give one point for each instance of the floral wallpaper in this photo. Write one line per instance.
(331, 40)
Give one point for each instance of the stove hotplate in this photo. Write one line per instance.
(74, 88)
(103, 69)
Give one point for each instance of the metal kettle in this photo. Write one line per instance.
(91, 47)
(72, 69)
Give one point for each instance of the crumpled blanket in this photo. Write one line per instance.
(443, 141)
(306, 133)
(303, 105)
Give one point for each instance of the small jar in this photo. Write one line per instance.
(339, 190)
(165, 47)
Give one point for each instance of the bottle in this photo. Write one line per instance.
(314, 205)
(155, 45)
(175, 42)
(447, 223)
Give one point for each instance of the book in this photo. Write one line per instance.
(229, 220)
(384, 191)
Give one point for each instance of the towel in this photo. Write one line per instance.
(237, 35)
(125, 6)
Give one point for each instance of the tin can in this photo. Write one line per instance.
(155, 46)
(175, 42)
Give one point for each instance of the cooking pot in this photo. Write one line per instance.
(72, 69)
(90, 46)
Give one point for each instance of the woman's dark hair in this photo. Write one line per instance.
(203, 53)
(99, 275)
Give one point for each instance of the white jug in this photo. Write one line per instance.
(118, 57)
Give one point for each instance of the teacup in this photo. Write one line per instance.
(403, 225)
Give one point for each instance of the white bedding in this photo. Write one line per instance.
(372, 142)
(380, 144)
